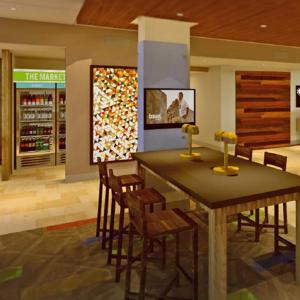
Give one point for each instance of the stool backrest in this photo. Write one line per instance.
(276, 160)
(115, 183)
(243, 151)
(136, 209)
(102, 168)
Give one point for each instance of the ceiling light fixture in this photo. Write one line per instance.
(13, 8)
(179, 14)
(263, 26)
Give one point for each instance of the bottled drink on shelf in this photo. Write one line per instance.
(50, 100)
(35, 144)
(62, 99)
(33, 100)
(46, 100)
(62, 143)
(30, 130)
(62, 128)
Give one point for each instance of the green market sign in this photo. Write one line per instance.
(23, 75)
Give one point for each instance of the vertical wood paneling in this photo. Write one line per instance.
(6, 78)
(263, 108)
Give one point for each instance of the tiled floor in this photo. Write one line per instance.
(35, 198)
(67, 263)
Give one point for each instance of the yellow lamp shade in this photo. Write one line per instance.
(228, 138)
(219, 135)
(190, 130)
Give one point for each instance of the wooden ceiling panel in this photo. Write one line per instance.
(226, 19)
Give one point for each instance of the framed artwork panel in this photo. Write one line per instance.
(114, 101)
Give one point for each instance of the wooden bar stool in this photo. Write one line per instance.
(152, 226)
(278, 161)
(129, 181)
(150, 197)
(244, 152)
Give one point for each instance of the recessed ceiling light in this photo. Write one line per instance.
(179, 14)
(263, 26)
(13, 8)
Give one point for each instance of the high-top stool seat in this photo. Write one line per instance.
(152, 226)
(150, 196)
(130, 181)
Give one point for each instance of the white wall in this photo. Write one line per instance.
(216, 101)
(295, 112)
(208, 104)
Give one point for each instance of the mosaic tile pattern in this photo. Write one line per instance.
(114, 113)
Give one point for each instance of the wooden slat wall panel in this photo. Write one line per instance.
(263, 108)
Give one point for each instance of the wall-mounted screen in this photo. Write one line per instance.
(168, 108)
(114, 99)
(297, 95)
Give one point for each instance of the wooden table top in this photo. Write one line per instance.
(196, 178)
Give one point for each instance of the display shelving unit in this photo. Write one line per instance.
(60, 125)
(35, 127)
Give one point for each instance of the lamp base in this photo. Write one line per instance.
(193, 156)
(230, 170)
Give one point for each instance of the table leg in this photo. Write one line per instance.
(298, 242)
(217, 285)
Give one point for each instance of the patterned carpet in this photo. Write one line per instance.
(65, 262)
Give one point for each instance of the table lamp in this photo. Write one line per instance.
(190, 130)
(228, 138)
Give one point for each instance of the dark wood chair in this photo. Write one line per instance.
(150, 197)
(129, 181)
(279, 161)
(152, 226)
(244, 152)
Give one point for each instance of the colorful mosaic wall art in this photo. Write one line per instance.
(114, 126)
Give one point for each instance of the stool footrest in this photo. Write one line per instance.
(288, 244)
(183, 271)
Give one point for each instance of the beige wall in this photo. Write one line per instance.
(91, 45)
(39, 63)
(77, 126)
(84, 46)
(243, 50)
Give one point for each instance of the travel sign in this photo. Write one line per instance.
(50, 76)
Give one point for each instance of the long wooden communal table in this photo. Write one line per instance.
(256, 186)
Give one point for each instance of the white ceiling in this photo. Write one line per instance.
(202, 61)
(34, 51)
(54, 11)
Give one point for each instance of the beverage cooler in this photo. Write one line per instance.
(61, 125)
(40, 125)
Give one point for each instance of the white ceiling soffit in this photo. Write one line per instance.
(53, 11)
(34, 51)
(201, 61)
